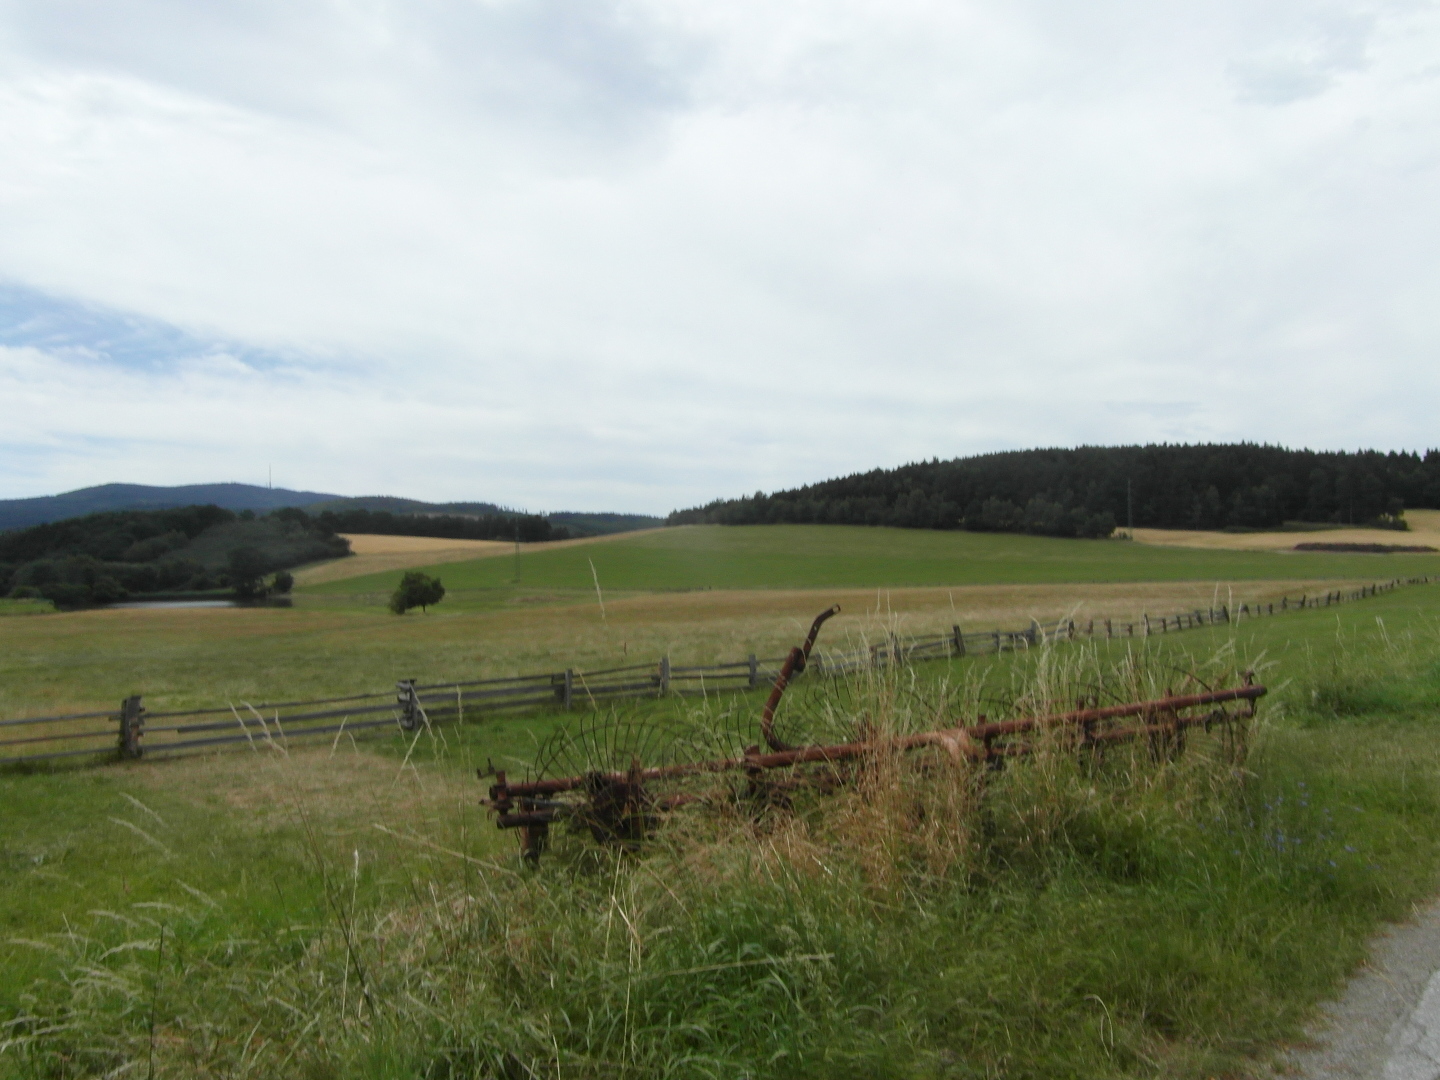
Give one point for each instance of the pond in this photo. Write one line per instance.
(275, 601)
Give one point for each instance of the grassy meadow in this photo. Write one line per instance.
(348, 910)
(853, 557)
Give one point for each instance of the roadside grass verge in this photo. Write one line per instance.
(1125, 917)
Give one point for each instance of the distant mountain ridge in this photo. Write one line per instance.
(23, 513)
(20, 513)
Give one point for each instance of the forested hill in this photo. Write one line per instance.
(1083, 492)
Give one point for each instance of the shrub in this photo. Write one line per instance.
(247, 568)
(284, 581)
(106, 590)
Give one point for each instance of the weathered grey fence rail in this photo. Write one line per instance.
(133, 731)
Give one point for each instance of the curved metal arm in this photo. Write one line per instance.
(795, 662)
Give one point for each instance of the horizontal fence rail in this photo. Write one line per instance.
(132, 731)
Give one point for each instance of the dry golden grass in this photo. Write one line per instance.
(1424, 529)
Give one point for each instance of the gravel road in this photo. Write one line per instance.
(1386, 1026)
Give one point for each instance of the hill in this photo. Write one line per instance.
(1090, 490)
(21, 513)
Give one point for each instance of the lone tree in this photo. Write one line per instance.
(416, 590)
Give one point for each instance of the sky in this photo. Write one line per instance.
(615, 255)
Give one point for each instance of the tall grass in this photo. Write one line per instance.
(1068, 916)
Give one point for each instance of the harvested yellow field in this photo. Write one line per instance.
(363, 544)
(374, 554)
(1424, 529)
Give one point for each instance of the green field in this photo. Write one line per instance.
(1131, 923)
(349, 909)
(816, 556)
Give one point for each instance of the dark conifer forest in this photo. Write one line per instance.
(1091, 490)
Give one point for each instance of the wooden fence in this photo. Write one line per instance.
(133, 731)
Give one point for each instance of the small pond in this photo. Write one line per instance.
(274, 601)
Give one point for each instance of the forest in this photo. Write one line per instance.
(1090, 491)
(106, 557)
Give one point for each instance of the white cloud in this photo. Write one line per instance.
(635, 255)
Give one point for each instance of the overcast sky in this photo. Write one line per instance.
(576, 254)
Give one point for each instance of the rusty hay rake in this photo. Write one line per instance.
(619, 800)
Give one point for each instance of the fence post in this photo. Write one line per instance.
(409, 704)
(754, 671)
(1034, 632)
(1108, 630)
(569, 687)
(132, 727)
(1146, 616)
(664, 675)
(959, 639)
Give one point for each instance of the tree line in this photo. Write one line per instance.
(527, 528)
(1089, 491)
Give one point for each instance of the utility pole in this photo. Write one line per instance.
(517, 552)
(1129, 509)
